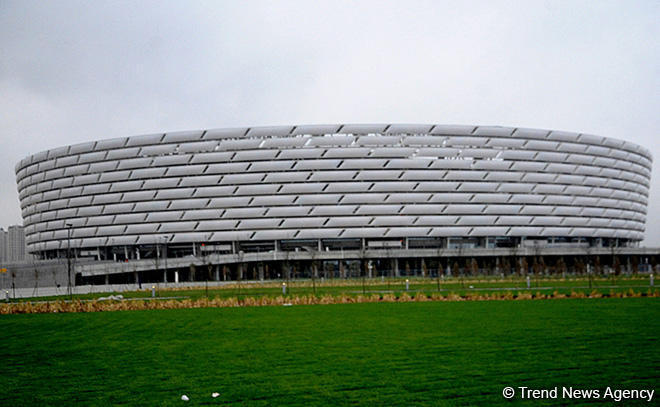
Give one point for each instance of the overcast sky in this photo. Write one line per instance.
(79, 71)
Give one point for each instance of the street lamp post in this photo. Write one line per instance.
(68, 258)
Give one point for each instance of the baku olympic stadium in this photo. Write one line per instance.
(242, 196)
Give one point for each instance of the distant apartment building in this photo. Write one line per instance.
(12, 244)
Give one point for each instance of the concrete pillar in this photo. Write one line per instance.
(395, 267)
(216, 273)
(261, 271)
(176, 276)
(107, 279)
(240, 271)
(164, 276)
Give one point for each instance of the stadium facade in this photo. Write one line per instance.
(333, 187)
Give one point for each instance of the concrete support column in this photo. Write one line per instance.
(240, 271)
(176, 276)
(395, 267)
(107, 279)
(164, 276)
(216, 273)
(261, 272)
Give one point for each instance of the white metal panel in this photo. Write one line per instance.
(319, 233)
(229, 236)
(319, 199)
(537, 210)
(241, 179)
(393, 186)
(182, 136)
(352, 152)
(461, 129)
(332, 176)
(262, 189)
(188, 203)
(273, 200)
(433, 220)
(198, 147)
(204, 180)
(437, 186)
(541, 145)
(255, 155)
(429, 175)
(288, 211)
(295, 223)
(185, 170)
(421, 140)
(526, 199)
(160, 183)
(267, 223)
(567, 211)
(317, 165)
(284, 177)
(274, 234)
(450, 231)
(179, 193)
(169, 160)
(228, 202)
(492, 165)
(349, 221)
(364, 232)
(547, 220)
(345, 210)
(378, 175)
(212, 225)
(190, 237)
(363, 128)
(491, 198)
(518, 188)
(218, 134)
(438, 152)
(489, 231)
(558, 200)
(408, 129)
(525, 231)
(79, 180)
(144, 140)
(331, 141)
(285, 142)
(478, 187)
(244, 144)
(270, 166)
(141, 229)
(378, 210)
(168, 216)
(517, 155)
(539, 177)
(407, 198)
(360, 163)
(464, 209)
(451, 198)
(227, 168)
(208, 158)
(476, 220)
(302, 188)
(363, 198)
(514, 220)
(577, 190)
(202, 214)
(300, 153)
(585, 201)
(555, 231)
(407, 232)
(504, 176)
(244, 213)
(392, 152)
(107, 198)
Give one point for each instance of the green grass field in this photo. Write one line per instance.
(434, 353)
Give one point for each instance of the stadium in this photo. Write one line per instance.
(249, 201)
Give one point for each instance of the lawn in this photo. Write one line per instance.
(431, 353)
